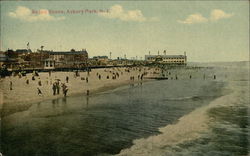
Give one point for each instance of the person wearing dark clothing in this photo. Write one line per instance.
(39, 92)
(67, 79)
(54, 88)
(141, 76)
(65, 90)
(87, 79)
(39, 83)
(57, 87)
(11, 85)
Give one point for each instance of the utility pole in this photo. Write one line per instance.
(110, 53)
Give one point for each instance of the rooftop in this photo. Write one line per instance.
(67, 52)
(165, 56)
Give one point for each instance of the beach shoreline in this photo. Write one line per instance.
(10, 104)
(22, 95)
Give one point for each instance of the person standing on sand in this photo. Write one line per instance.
(141, 76)
(39, 92)
(87, 79)
(57, 87)
(11, 85)
(27, 81)
(65, 89)
(54, 88)
(39, 82)
(67, 79)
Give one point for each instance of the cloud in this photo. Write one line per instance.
(217, 14)
(25, 14)
(194, 18)
(117, 12)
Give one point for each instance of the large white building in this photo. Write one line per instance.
(167, 59)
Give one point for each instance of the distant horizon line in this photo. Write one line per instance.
(219, 61)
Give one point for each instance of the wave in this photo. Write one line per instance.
(189, 127)
(196, 97)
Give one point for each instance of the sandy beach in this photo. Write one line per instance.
(22, 94)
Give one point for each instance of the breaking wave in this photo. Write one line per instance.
(188, 128)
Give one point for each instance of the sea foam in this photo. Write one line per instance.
(188, 127)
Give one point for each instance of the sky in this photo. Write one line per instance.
(209, 31)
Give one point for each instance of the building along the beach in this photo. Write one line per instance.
(167, 59)
(100, 60)
(68, 59)
(49, 63)
(3, 58)
(9, 59)
(23, 51)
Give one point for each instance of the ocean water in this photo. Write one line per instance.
(169, 117)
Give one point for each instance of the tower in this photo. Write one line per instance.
(185, 56)
(164, 52)
(28, 46)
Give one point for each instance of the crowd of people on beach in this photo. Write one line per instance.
(58, 86)
(61, 85)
